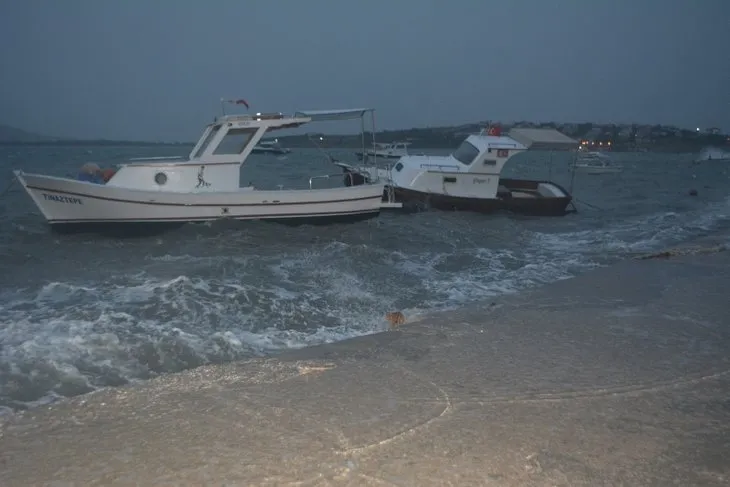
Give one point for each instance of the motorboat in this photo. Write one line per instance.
(596, 163)
(270, 147)
(469, 179)
(392, 150)
(152, 195)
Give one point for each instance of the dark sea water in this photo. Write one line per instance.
(82, 312)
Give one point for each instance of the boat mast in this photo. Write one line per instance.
(375, 151)
(362, 135)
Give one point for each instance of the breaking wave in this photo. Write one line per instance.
(130, 311)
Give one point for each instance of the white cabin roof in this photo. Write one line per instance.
(484, 142)
(272, 121)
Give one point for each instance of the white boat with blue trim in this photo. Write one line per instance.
(151, 195)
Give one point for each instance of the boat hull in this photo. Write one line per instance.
(147, 229)
(529, 201)
(71, 206)
(537, 206)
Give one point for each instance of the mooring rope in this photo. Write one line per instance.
(7, 189)
(588, 204)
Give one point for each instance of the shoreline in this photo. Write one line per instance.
(618, 375)
(711, 243)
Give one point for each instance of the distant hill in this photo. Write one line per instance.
(12, 134)
(15, 136)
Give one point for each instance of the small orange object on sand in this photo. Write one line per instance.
(395, 318)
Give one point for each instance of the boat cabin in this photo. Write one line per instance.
(215, 161)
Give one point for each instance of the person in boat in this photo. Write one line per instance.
(92, 173)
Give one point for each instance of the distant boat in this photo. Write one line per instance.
(270, 147)
(393, 150)
(713, 154)
(596, 163)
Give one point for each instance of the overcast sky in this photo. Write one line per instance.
(156, 69)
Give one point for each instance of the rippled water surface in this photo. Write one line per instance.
(82, 312)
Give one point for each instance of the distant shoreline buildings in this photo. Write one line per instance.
(598, 136)
(607, 135)
(594, 136)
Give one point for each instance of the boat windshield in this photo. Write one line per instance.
(235, 141)
(466, 153)
(213, 132)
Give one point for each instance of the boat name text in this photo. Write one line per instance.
(480, 181)
(62, 199)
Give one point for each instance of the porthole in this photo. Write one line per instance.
(160, 178)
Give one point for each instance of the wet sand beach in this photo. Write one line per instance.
(620, 376)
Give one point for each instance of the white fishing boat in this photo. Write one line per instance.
(147, 196)
(392, 150)
(596, 163)
(270, 147)
(470, 179)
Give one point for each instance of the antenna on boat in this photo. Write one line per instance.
(239, 101)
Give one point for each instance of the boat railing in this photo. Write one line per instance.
(440, 167)
(326, 176)
(158, 158)
(257, 117)
(354, 171)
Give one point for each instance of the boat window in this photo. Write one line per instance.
(466, 153)
(399, 166)
(448, 179)
(207, 140)
(235, 141)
